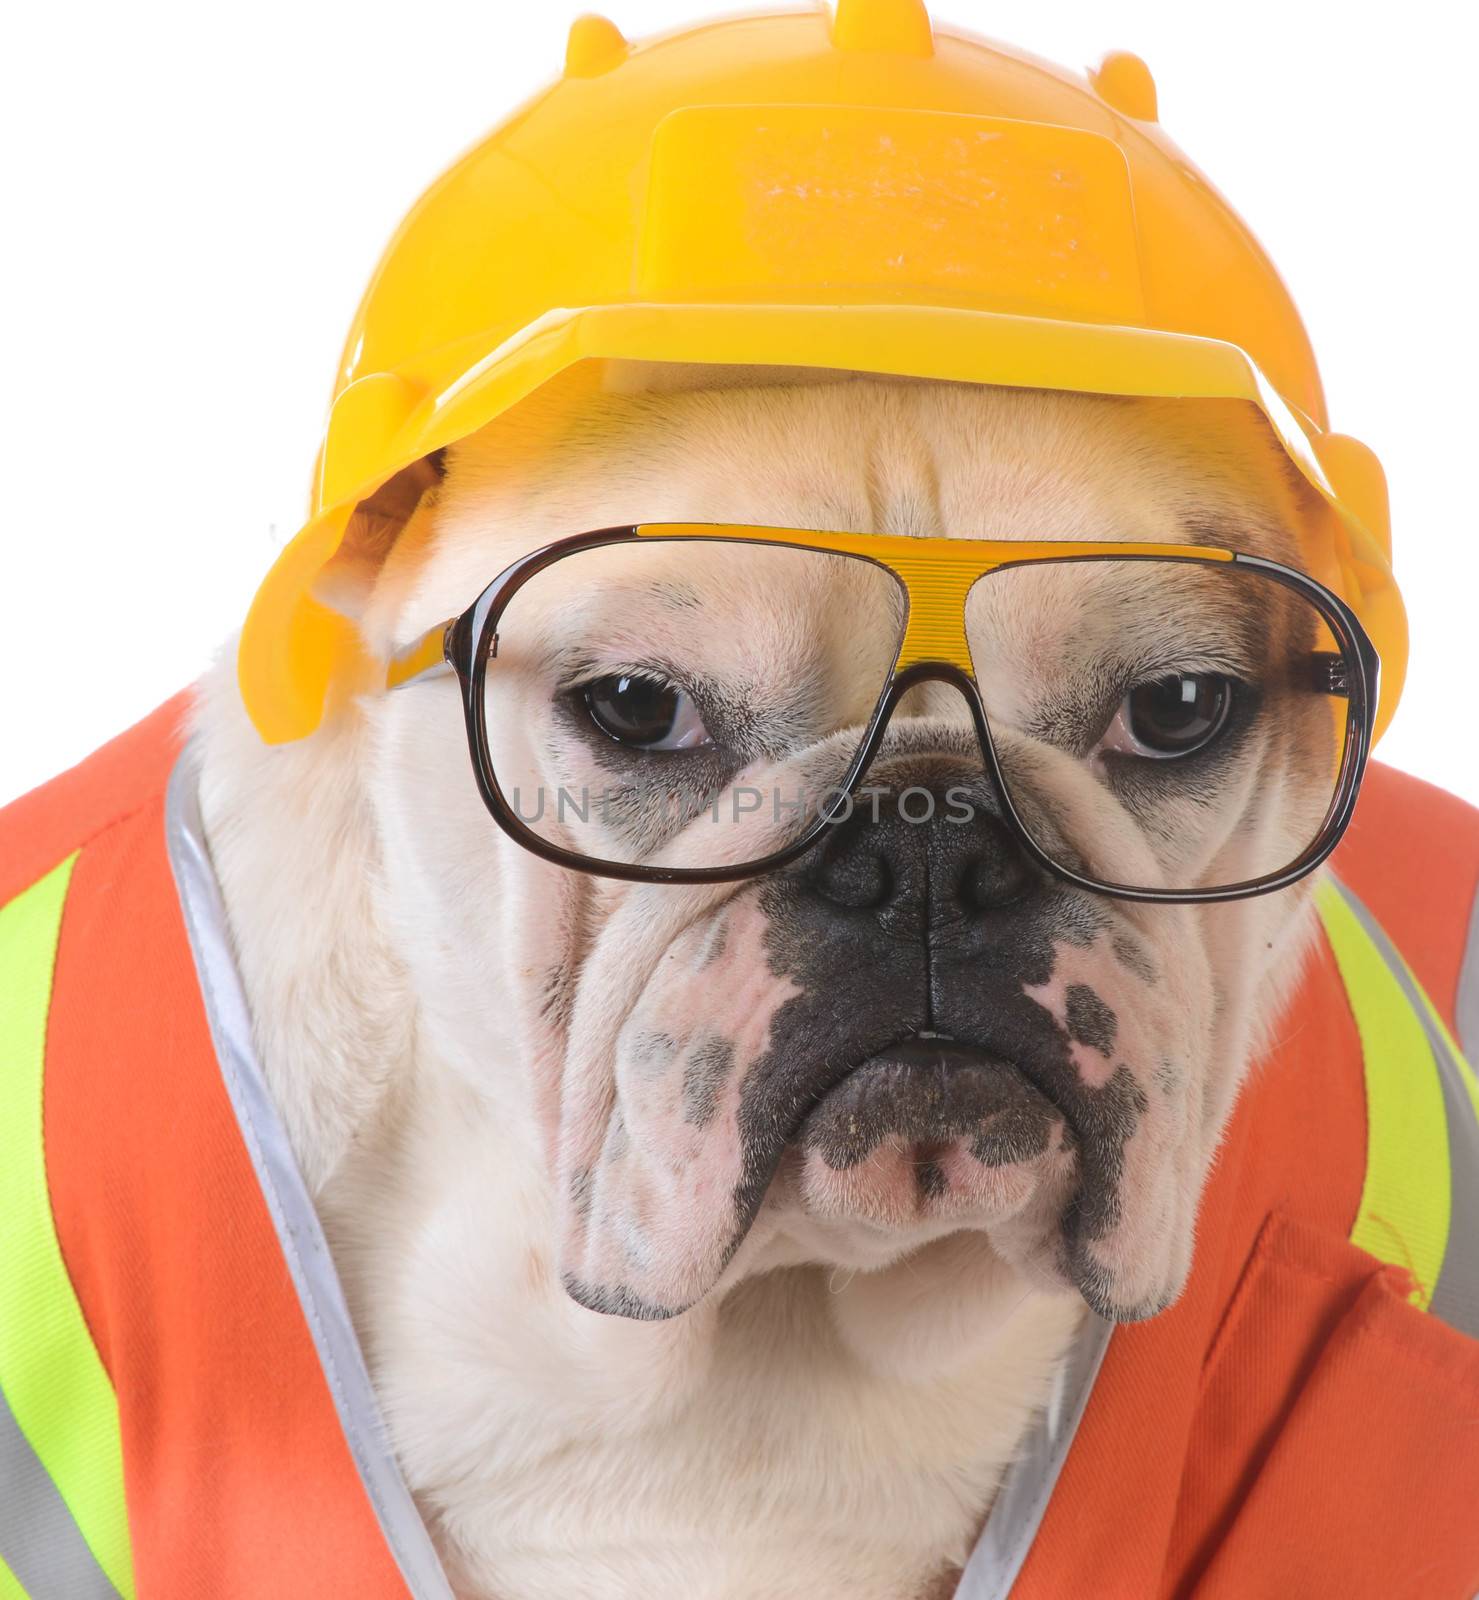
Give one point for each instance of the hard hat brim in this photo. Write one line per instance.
(296, 657)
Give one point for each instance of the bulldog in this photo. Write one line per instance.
(725, 1238)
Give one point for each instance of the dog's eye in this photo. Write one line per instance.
(645, 712)
(1171, 716)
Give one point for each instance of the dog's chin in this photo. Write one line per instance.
(927, 1137)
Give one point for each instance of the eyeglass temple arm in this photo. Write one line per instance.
(426, 657)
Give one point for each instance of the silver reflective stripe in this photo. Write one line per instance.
(1456, 1294)
(298, 1229)
(1022, 1500)
(1466, 1007)
(39, 1541)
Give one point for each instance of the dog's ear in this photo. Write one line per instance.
(396, 516)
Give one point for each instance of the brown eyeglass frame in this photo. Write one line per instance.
(936, 574)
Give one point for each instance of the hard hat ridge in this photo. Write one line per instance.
(902, 26)
(1124, 82)
(595, 45)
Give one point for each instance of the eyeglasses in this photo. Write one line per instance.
(696, 703)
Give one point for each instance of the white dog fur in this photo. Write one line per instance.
(831, 1420)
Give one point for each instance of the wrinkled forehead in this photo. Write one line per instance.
(947, 460)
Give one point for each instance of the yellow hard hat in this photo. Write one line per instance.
(855, 190)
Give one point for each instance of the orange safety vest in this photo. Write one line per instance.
(184, 1410)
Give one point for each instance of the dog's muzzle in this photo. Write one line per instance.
(942, 1057)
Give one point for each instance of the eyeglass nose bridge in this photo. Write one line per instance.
(930, 669)
(937, 585)
(940, 669)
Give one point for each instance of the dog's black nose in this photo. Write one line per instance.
(922, 857)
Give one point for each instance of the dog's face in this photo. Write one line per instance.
(911, 1031)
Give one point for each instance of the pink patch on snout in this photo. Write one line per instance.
(1093, 1068)
(1094, 1064)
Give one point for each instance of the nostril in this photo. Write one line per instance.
(995, 879)
(912, 875)
(858, 880)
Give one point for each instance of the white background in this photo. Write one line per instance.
(195, 196)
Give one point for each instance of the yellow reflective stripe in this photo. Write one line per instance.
(1404, 1211)
(55, 1384)
(10, 1588)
